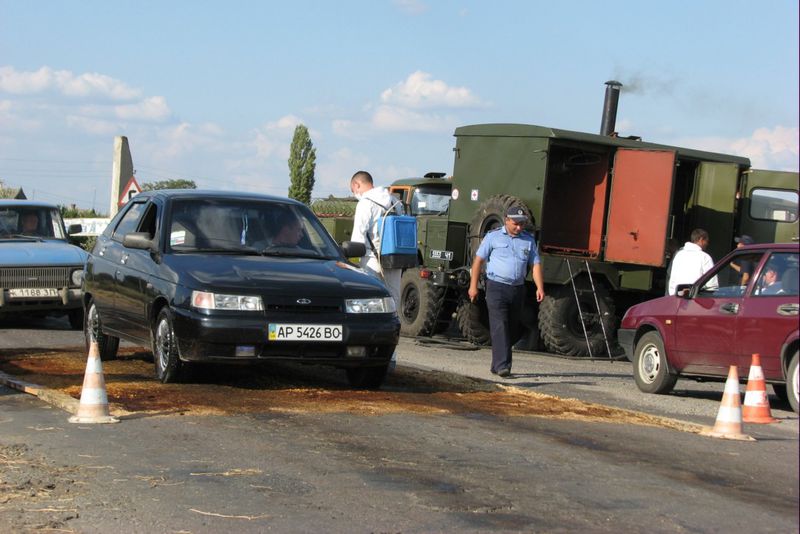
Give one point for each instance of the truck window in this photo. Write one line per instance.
(428, 200)
(774, 205)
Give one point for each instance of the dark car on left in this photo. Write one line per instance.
(40, 271)
(224, 277)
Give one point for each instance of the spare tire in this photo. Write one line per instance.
(491, 215)
(560, 321)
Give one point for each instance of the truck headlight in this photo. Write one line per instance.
(76, 277)
(215, 301)
(375, 305)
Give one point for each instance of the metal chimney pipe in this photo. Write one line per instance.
(610, 107)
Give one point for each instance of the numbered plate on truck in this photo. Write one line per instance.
(441, 255)
(304, 332)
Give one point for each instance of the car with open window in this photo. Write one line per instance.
(40, 271)
(205, 276)
(748, 303)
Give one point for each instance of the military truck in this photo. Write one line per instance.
(607, 212)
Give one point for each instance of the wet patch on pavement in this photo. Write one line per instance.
(290, 388)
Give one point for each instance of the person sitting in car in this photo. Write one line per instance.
(770, 282)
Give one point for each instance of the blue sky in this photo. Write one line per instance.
(211, 91)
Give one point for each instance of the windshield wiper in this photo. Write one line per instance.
(290, 252)
(23, 236)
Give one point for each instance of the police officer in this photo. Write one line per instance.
(507, 252)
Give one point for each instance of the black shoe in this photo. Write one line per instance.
(504, 372)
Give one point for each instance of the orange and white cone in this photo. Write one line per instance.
(729, 418)
(93, 407)
(756, 403)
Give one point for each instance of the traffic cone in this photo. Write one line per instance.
(93, 407)
(729, 418)
(756, 403)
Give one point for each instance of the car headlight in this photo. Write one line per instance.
(77, 277)
(376, 305)
(215, 301)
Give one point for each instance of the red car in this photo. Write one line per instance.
(748, 303)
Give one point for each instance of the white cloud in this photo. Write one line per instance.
(150, 109)
(411, 7)
(393, 118)
(420, 90)
(768, 148)
(65, 82)
(92, 126)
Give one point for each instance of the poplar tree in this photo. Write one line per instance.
(302, 162)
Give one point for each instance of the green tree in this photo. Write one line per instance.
(302, 162)
(169, 184)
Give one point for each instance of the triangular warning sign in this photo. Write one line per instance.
(131, 190)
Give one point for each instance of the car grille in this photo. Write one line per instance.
(303, 308)
(34, 277)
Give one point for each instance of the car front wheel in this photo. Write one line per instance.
(792, 382)
(165, 350)
(93, 331)
(650, 368)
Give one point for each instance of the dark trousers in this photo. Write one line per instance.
(505, 308)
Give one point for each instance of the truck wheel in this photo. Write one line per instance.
(419, 303)
(491, 215)
(92, 331)
(792, 382)
(650, 368)
(473, 320)
(560, 321)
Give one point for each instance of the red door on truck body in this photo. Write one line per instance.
(638, 215)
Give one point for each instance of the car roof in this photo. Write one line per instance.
(771, 246)
(25, 204)
(210, 193)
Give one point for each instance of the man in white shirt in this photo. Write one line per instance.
(373, 203)
(691, 262)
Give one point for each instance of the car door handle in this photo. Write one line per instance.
(789, 309)
(730, 308)
(124, 259)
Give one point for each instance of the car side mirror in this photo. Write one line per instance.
(684, 291)
(353, 249)
(138, 240)
(73, 229)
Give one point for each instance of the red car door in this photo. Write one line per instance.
(767, 318)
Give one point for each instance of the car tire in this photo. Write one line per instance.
(650, 367)
(75, 318)
(165, 348)
(792, 382)
(367, 377)
(93, 331)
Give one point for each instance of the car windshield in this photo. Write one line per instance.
(234, 226)
(34, 222)
(430, 200)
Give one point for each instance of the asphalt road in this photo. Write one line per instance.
(450, 468)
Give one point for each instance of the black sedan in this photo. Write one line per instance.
(204, 276)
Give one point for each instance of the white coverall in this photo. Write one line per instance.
(370, 208)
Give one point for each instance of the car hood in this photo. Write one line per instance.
(21, 253)
(278, 276)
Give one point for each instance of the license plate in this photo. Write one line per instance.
(33, 293)
(304, 332)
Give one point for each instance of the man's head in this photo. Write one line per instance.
(360, 183)
(700, 238)
(30, 222)
(770, 274)
(290, 230)
(743, 240)
(515, 221)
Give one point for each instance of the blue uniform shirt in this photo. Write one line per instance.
(508, 259)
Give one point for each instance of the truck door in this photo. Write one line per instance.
(713, 205)
(638, 214)
(768, 210)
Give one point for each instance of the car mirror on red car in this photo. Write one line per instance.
(684, 291)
